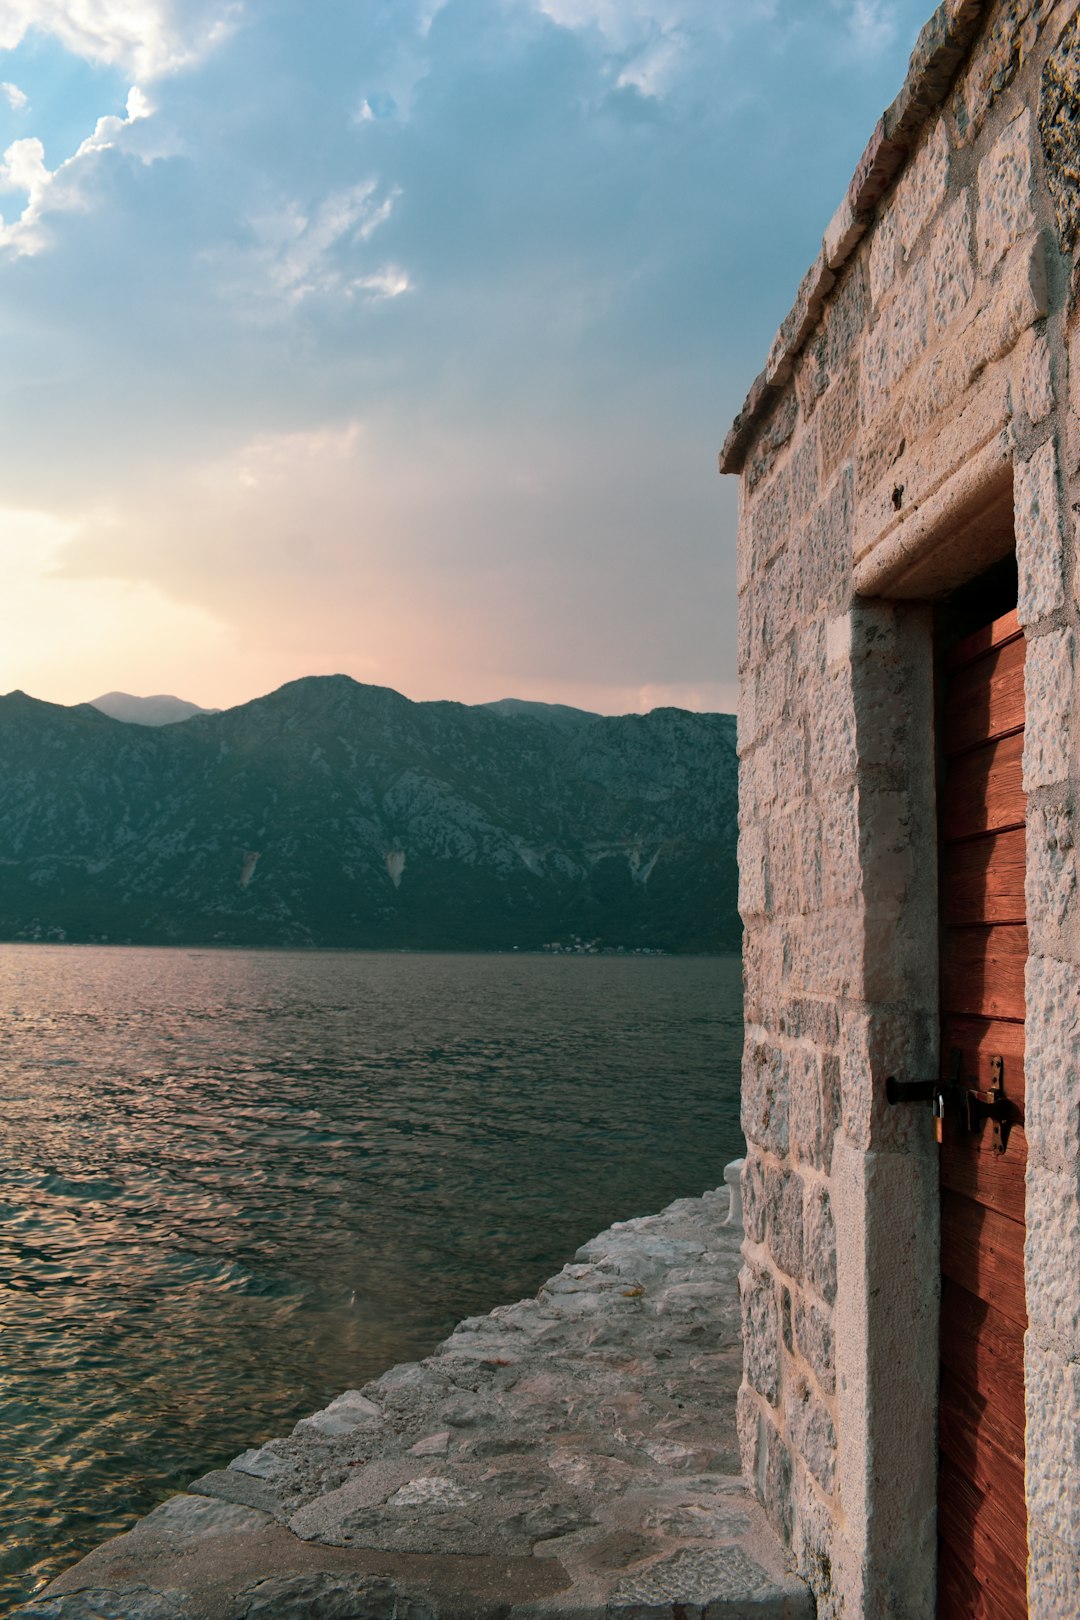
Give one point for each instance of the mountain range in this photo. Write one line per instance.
(331, 813)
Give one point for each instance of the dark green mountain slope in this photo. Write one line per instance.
(331, 813)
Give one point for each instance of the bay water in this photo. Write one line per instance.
(235, 1183)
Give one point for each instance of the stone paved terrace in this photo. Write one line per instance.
(572, 1457)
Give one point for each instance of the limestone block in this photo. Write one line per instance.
(1050, 881)
(776, 1479)
(1053, 1231)
(771, 438)
(838, 641)
(753, 873)
(764, 1093)
(800, 321)
(1005, 209)
(812, 371)
(1048, 692)
(814, 1105)
(1053, 1577)
(896, 342)
(1052, 1397)
(814, 1336)
(811, 1020)
(839, 416)
(847, 314)
(819, 1241)
(814, 1546)
(843, 231)
(1036, 379)
(826, 953)
(922, 185)
(810, 1431)
(761, 1331)
(832, 731)
(1039, 555)
(825, 573)
(952, 272)
(749, 1422)
(998, 54)
(788, 757)
(784, 1196)
(1052, 1062)
(805, 479)
(770, 519)
(1059, 114)
(884, 249)
(755, 1211)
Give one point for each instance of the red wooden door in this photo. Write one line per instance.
(982, 1519)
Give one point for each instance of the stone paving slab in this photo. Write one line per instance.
(568, 1457)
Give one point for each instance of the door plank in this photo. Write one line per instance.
(988, 1453)
(970, 1166)
(960, 1597)
(984, 790)
(982, 641)
(992, 1543)
(984, 1252)
(982, 1347)
(983, 880)
(982, 971)
(980, 1039)
(985, 699)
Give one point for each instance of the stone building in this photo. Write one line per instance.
(910, 748)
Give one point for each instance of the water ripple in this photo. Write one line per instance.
(234, 1183)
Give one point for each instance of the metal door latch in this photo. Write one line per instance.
(961, 1094)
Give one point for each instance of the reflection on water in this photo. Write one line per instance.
(234, 1183)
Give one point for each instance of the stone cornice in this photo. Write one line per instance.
(939, 50)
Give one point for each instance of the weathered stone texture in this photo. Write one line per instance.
(921, 186)
(1059, 132)
(1006, 207)
(1050, 878)
(1039, 557)
(761, 1349)
(930, 374)
(1052, 1121)
(996, 60)
(952, 271)
(1048, 685)
(1053, 1230)
(1037, 378)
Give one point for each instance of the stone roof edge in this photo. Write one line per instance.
(942, 44)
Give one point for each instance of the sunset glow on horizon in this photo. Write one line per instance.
(399, 341)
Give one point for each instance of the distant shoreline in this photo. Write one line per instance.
(629, 955)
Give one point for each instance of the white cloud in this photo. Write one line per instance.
(145, 38)
(59, 190)
(301, 253)
(16, 99)
(389, 282)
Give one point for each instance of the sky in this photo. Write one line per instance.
(397, 338)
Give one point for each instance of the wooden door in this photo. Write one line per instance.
(982, 1518)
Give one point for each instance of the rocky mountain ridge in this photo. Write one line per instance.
(331, 813)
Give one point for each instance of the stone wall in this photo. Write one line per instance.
(915, 412)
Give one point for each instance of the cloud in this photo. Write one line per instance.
(146, 38)
(299, 252)
(59, 190)
(16, 99)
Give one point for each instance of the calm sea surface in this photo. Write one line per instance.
(233, 1184)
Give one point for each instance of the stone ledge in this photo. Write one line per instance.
(569, 1457)
(939, 50)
